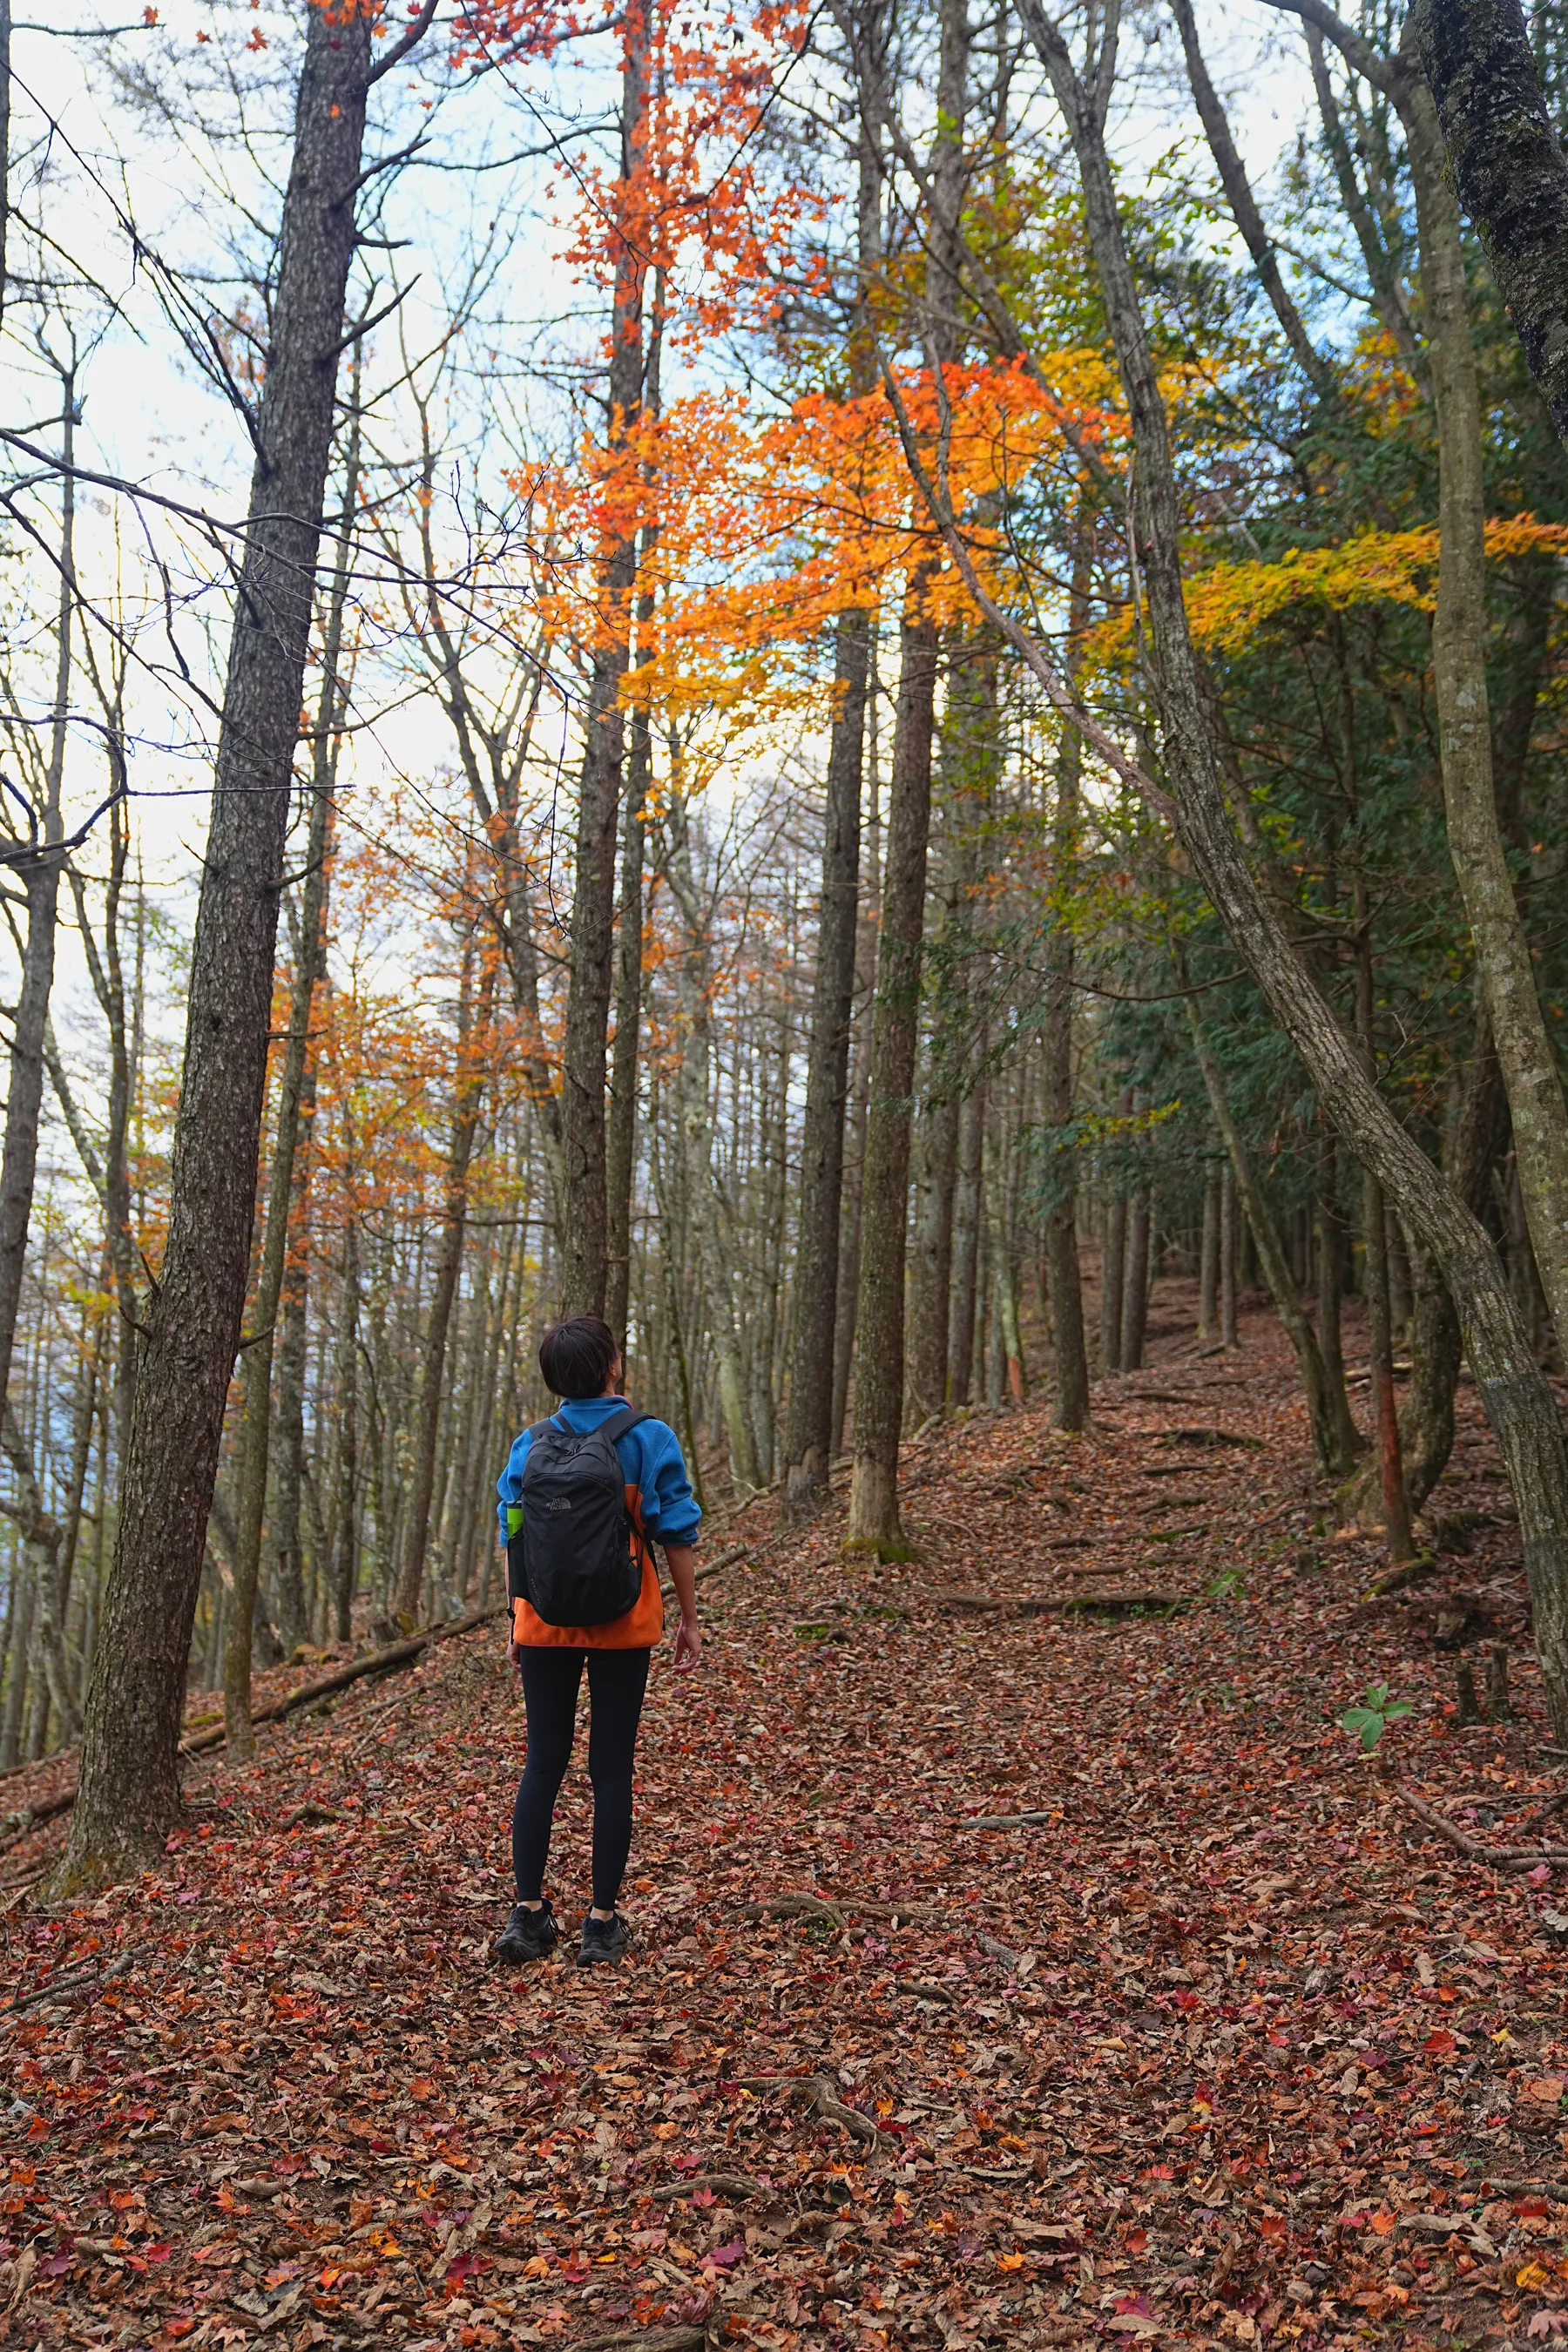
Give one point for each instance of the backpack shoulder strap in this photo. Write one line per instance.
(540, 1427)
(619, 1422)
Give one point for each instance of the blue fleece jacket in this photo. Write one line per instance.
(650, 1457)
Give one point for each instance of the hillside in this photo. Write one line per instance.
(1023, 1956)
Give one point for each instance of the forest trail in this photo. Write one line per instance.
(1226, 2048)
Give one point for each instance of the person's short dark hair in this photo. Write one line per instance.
(575, 1356)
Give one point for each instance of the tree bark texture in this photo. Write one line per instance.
(129, 1789)
(1518, 1398)
(1509, 169)
(874, 1524)
(256, 1385)
(808, 1429)
(1458, 661)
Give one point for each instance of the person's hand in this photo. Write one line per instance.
(514, 1653)
(687, 1645)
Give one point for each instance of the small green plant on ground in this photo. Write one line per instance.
(1372, 1719)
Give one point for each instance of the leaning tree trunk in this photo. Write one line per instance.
(1517, 1395)
(808, 1430)
(128, 1790)
(1458, 663)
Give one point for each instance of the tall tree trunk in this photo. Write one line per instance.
(1135, 1280)
(713, 1255)
(809, 1428)
(1519, 1397)
(966, 1224)
(40, 880)
(256, 1381)
(1063, 1285)
(621, 1144)
(129, 1789)
(1208, 1256)
(874, 1524)
(345, 1565)
(585, 1270)
(468, 1086)
(289, 1442)
(1333, 1255)
(1229, 1256)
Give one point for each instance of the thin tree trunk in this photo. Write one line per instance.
(345, 1566)
(1332, 1258)
(810, 1430)
(1208, 1256)
(585, 1270)
(40, 881)
(471, 1063)
(1135, 1280)
(1328, 1450)
(289, 1443)
(1063, 1283)
(966, 1221)
(129, 1789)
(1229, 1253)
(621, 1143)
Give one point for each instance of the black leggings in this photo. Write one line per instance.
(617, 1681)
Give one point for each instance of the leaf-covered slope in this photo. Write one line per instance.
(1223, 2045)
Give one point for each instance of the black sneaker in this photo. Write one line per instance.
(528, 1935)
(603, 1941)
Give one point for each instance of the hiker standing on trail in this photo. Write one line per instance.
(584, 1497)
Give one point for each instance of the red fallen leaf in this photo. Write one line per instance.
(1440, 2045)
(422, 2087)
(56, 2266)
(703, 2197)
(724, 2258)
(1272, 2225)
(177, 2327)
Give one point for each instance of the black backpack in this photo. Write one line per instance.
(577, 1556)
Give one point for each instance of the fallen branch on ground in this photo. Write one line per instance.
(796, 1906)
(722, 2184)
(914, 1991)
(1507, 1857)
(1004, 1820)
(647, 2339)
(66, 1987)
(996, 1952)
(375, 1661)
(311, 1812)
